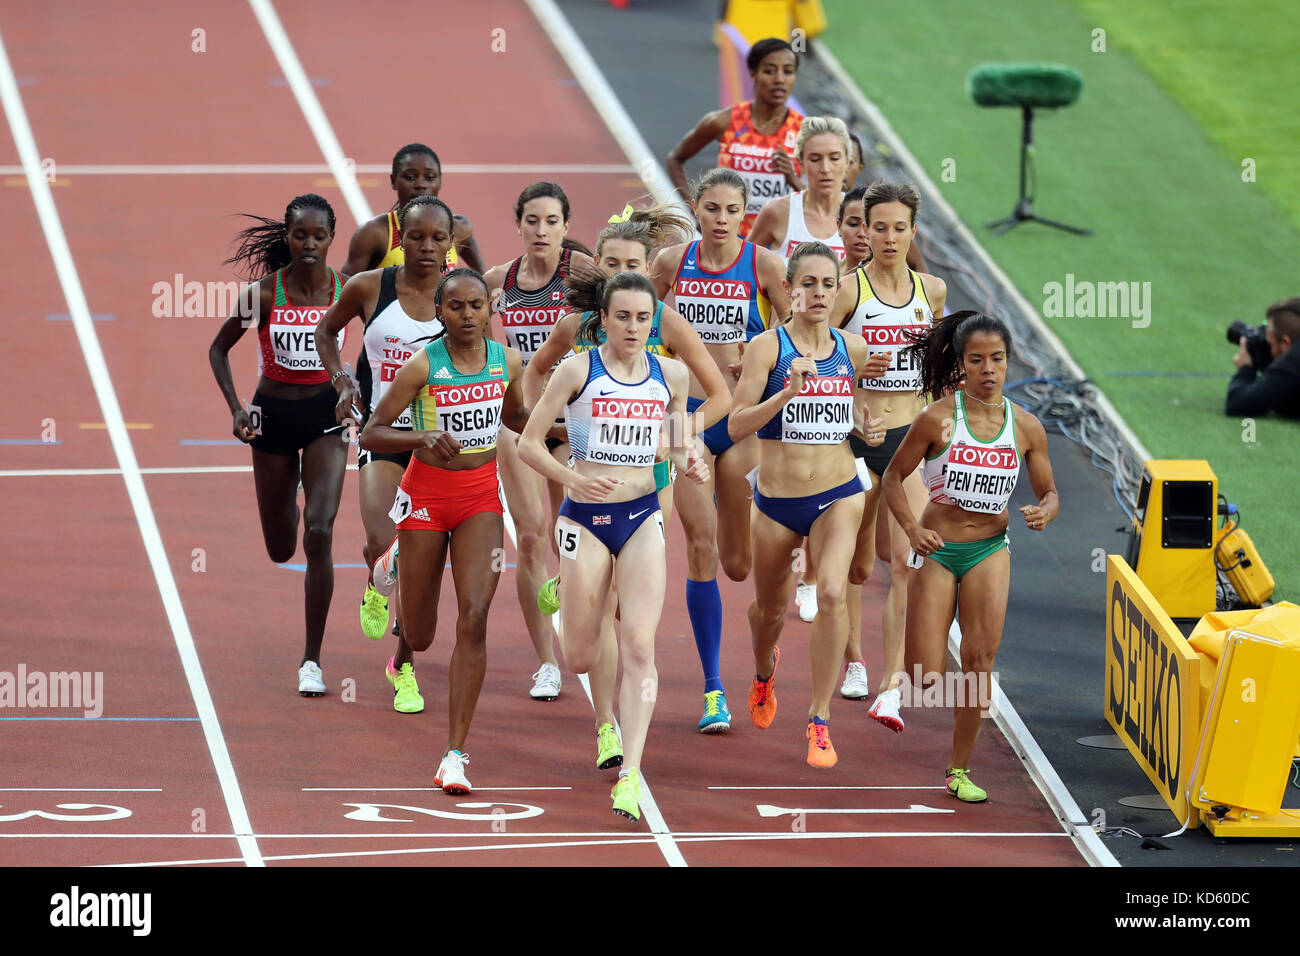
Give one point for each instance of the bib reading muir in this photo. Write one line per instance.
(614, 422)
(467, 406)
(972, 474)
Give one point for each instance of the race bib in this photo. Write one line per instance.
(568, 535)
(904, 372)
(625, 431)
(470, 413)
(822, 412)
(717, 309)
(527, 329)
(401, 506)
(292, 331)
(255, 417)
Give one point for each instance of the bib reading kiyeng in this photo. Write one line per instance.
(822, 412)
(717, 309)
(470, 413)
(624, 431)
(291, 330)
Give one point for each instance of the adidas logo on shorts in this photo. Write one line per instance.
(443, 372)
(420, 514)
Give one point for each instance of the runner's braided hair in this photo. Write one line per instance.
(414, 149)
(424, 200)
(462, 272)
(590, 291)
(940, 348)
(264, 248)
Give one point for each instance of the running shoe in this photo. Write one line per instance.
(374, 613)
(855, 686)
(762, 696)
(397, 629)
(960, 786)
(885, 709)
(310, 681)
(548, 596)
(627, 795)
(406, 692)
(609, 749)
(385, 573)
(546, 683)
(451, 773)
(717, 718)
(821, 753)
(805, 599)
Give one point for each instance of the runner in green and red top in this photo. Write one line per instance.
(293, 407)
(461, 387)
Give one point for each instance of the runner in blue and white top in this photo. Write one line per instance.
(797, 393)
(970, 445)
(623, 406)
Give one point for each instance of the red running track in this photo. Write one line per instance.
(343, 779)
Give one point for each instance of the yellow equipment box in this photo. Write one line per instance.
(1173, 549)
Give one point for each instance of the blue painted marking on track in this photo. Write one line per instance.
(1146, 374)
(28, 441)
(26, 81)
(303, 567)
(64, 317)
(211, 441)
(102, 719)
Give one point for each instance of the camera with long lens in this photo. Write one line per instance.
(1256, 340)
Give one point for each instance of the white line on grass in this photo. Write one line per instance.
(121, 441)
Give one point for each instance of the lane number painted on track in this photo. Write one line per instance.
(113, 813)
(493, 812)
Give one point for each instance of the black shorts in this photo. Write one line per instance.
(289, 425)
(365, 457)
(879, 457)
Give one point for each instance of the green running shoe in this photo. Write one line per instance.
(960, 786)
(627, 795)
(609, 749)
(374, 613)
(406, 692)
(548, 596)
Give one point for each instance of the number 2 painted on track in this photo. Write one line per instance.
(373, 812)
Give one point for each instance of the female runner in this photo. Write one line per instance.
(727, 289)
(892, 386)
(823, 149)
(756, 137)
(796, 392)
(625, 246)
(969, 446)
(618, 396)
(398, 307)
(460, 389)
(531, 300)
(293, 405)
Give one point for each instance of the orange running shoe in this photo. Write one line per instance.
(821, 753)
(762, 696)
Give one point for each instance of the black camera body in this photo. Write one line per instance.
(1256, 340)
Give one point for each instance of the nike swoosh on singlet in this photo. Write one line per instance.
(870, 316)
(827, 505)
(637, 515)
(610, 392)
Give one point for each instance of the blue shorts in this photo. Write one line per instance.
(715, 436)
(611, 522)
(798, 514)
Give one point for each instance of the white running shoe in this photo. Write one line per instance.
(885, 710)
(310, 681)
(451, 773)
(805, 599)
(546, 683)
(385, 573)
(856, 685)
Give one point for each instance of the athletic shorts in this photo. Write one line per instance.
(879, 457)
(439, 499)
(285, 426)
(663, 475)
(611, 522)
(798, 514)
(715, 436)
(365, 457)
(960, 557)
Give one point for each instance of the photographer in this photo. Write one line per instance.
(1277, 387)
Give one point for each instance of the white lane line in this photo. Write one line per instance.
(419, 789)
(340, 168)
(767, 810)
(611, 841)
(829, 788)
(318, 169)
(81, 790)
(685, 836)
(1041, 770)
(103, 384)
(100, 472)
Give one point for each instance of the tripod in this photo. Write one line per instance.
(1024, 211)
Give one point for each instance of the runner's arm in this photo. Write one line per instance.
(686, 345)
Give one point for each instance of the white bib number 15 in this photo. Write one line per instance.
(567, 536)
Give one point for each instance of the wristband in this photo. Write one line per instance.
(341, 371)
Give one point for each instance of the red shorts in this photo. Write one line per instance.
(438, 499)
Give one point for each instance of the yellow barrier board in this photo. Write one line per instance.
(1152, 695)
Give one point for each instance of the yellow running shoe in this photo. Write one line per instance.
(406, 692)
(627, 795)
(548, 596)
(960, 786)
(609, 749)
(374, 613)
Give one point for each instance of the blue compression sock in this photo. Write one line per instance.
(704, 605)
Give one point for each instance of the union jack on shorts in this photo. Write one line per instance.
(600, 519)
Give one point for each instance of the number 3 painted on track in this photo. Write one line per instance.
(114, 813)
(373, 812)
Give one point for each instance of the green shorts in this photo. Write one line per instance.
(663, 475)
(960, 556)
